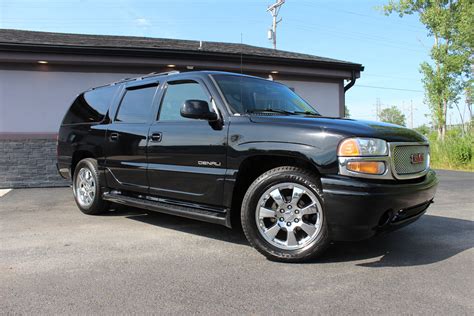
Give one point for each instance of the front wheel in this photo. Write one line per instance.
(86, 187)
(282, 215)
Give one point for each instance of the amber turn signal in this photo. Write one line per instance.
(369, 167)
(349, 147)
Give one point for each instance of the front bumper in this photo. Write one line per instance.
(357, 209)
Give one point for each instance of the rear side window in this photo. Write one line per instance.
(136, 105)
(91, 106)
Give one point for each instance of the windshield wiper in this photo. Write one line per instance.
(282, 112)
(307, 113)
(271, 111)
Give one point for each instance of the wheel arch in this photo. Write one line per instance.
(255, 165)
(78, 156)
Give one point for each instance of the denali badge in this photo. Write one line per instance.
(417, 158)
(209, 163)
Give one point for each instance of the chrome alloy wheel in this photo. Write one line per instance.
(289, 216)
(85, 187)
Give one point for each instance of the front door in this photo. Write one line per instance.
(187, 157)
(126, 139)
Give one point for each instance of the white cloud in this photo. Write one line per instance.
(142, 22)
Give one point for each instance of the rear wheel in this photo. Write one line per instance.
(87, 188)
(282, 215)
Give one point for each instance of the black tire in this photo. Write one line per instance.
(98, 205)
(248, 214)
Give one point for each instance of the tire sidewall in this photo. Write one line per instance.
(249, 206)
(96, 204)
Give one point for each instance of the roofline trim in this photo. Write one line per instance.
(114, 51)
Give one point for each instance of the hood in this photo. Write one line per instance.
(345, 127)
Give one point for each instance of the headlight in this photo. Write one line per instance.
(362, 147)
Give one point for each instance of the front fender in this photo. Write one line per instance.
(324, 159)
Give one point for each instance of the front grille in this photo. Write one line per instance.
(403, 159)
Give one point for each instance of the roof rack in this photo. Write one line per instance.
(121, 81)
(151, 74)
(112, 83)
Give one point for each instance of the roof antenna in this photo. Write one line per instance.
(241, 66)
(241, 57)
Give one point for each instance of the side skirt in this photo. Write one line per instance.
(206, 214)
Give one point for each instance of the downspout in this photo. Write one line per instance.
(351, 83)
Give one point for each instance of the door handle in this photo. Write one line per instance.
(156, 137)
(114, 136)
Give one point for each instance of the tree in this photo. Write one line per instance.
(347, 114)
(423, 129)
(450, 24)
(392, 115)
(470, 97)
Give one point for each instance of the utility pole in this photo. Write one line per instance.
(410, 109)
(274, 9)
(378, 109)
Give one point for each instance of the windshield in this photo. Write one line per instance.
(253, 95)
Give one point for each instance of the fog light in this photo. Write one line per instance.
(369, 167)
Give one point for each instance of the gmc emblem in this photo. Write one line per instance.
(417, 158)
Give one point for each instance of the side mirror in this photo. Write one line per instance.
(197, 109)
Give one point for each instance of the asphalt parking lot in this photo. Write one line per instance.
(55, 260)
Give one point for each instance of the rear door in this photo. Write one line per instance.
(126, 138)
(187, 157)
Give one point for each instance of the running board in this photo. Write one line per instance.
(221, 217)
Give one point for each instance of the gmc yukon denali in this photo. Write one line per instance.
(234, 150)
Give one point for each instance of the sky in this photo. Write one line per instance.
(390, 48)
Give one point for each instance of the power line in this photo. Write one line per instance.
(345, 34)
(382, 41)
(391, 77)
(350, 35)
(387, 88)
(345, 31)
(379, 18)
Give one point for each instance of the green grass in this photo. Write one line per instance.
(455, 152)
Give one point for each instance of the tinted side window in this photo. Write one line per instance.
(136, 105)
(175, 95)
(90, 106)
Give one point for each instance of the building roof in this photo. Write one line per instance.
(20, 40)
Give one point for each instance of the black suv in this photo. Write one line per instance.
(233, 149)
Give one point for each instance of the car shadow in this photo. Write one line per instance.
(181, 224)
(431, 239)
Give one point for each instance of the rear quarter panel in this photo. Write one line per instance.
(75, 138)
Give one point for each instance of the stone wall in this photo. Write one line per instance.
(26, 163)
